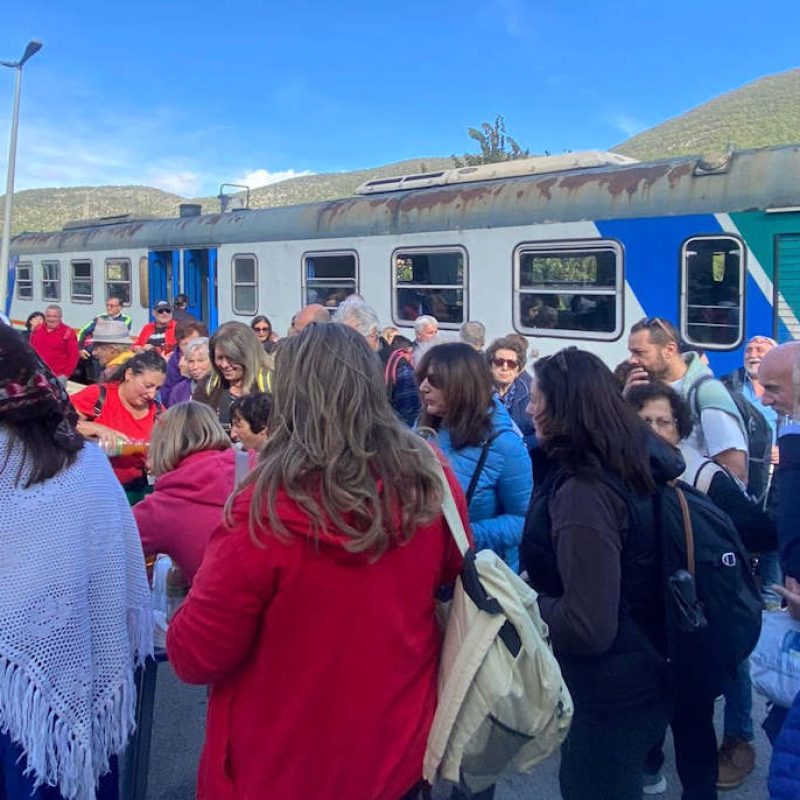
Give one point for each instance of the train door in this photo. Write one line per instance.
(200, 284)
(163, 269)
(786, 287)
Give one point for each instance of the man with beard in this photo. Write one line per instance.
(719, 431)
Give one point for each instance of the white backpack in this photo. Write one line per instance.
(503, 705)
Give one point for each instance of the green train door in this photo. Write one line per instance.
(786, 287)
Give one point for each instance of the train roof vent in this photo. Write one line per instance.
(115, 219)
(538, 165)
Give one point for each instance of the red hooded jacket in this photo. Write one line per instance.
(324, 663)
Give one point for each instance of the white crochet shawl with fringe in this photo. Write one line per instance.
(74, 618)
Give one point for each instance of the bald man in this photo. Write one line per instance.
(308, 314)
(779, 374)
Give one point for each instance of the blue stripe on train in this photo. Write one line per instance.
(653, 268)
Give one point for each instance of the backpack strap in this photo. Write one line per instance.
(704, 476)
(390, 372)
(693, 397)
(688, 530)
(101, 401)
(473, 484)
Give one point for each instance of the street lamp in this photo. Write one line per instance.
(30, 51)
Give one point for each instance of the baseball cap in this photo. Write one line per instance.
(162, 304)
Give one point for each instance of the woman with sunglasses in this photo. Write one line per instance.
(262, 328)
(597, 574)
(476, 434)
(507, 360)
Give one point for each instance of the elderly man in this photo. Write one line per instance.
(314, 312)
(56, 343)
(111, 345)
(474, 334)
(401, 385)
(426, 328)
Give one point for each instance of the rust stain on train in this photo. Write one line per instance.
(626, 181)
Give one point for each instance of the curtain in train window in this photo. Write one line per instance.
(712, 312)
(24, 281)
(118, 279)
(245, 284)
(569, 290)
(329, 277)
(430, 281)
(81, 282)
(51, 280)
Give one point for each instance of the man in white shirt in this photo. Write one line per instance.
(719, 431)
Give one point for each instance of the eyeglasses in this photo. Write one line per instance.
(262, 330)
(505, 362)
(650, 322)
(433, 380)
(660, 423)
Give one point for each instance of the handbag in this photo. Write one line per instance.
(775, 662)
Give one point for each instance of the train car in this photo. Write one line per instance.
(570, 249)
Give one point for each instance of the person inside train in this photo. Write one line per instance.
(239, 366)
(158, 335)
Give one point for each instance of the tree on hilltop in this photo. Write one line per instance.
(495, 144)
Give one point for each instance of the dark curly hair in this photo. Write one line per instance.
(253, 409)
(655, 390)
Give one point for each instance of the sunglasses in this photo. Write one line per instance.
(505, 362)
(433, 381)
(261, 330)
(655, 322)
(163, 311)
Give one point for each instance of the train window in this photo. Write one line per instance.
(51, 280)
(118, 279)
(569, 290)
(329, 277)
(24, 281)
(712, 287)
(81, 282)
(430, 281)
(245, 284)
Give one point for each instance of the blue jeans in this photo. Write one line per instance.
(769, 569)
(738, 722)
(15, 785)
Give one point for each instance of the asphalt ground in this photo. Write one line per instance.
(178, 735)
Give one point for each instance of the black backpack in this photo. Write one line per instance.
(759, 433)
(712, 605)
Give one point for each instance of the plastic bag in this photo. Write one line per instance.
(775, 662)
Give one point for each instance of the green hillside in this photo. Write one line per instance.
(762, 113)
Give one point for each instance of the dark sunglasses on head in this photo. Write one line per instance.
(655, 322)
(505, 362)
(560, 360)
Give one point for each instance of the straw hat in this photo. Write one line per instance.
(111, 331)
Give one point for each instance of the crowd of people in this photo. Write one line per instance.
(294, 482)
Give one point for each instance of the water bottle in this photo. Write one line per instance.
(177, 589)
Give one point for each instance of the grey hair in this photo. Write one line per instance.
(54, 307)
(361, 317)
(423, 320)
(473, 333)
(194, 344)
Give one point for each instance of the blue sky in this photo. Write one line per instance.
(185, 96)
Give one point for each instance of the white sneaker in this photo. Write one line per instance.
(654, 784)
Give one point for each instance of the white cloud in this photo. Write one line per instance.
(625, 123)
(185, 183)
(256, 178)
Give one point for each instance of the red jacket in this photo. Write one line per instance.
(57, 348)
(324, 663)
(170, 343)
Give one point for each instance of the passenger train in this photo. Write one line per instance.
(569, 249)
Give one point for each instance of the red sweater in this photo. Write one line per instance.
(57, 348)
(324, 663)
(185, 508)
(164, 345)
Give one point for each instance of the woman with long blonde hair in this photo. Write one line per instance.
(312, 615)
(239, 366)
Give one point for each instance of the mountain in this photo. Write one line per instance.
(49, 209)
(762, 113)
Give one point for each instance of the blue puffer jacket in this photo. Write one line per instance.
(500, 502)
(784, 769)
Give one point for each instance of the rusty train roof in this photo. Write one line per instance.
(761, 179)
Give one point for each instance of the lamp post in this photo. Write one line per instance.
(31, 50)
